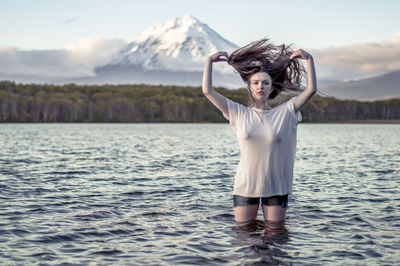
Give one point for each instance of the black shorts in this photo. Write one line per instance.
(280, 200)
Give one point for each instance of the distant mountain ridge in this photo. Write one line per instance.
(382, 87)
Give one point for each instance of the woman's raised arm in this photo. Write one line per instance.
(311, 88)
(217, 99)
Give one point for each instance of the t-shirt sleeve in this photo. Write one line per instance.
(234, 110)
(295, 115)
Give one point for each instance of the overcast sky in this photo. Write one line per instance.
(340, 33)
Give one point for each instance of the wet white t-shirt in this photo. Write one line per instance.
(267, 141)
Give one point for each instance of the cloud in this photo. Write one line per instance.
(363, 58)
(91, 52)
(79, 59)
(74, 60)
(51, 62)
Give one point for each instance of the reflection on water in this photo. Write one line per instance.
(162, 194)
(262, 241)
(258, 228)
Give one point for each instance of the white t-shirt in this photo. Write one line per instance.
(267, 141)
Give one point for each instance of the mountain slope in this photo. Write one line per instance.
(181, 44)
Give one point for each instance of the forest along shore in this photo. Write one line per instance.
(156, 104)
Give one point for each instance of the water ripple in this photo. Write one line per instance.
(161, 194)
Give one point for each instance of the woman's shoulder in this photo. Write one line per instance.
(282, 107)
(236, 104)
(285, 103)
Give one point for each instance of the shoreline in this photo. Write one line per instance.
(368, 121)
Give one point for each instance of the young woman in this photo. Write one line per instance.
(266, 136)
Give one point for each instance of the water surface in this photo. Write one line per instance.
(161, 194)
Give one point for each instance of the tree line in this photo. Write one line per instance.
(145, 103)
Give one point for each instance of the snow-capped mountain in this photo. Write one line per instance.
(173, 53)
(181, 44)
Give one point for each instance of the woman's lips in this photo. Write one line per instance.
(260, 93)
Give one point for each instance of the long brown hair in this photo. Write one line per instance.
(263, 56)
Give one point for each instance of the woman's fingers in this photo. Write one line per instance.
(219, 56)
(222, 56)
(300, 54)
(296, 54)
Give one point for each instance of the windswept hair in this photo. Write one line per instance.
(263, 56)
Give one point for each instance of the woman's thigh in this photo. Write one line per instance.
(274, 208)
(274, 213)
(244, 214)
(245, 208)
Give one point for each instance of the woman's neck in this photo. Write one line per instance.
(261, 105)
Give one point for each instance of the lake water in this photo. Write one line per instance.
(161, 194)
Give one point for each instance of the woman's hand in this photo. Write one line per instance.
(301, 54)
(218, 57)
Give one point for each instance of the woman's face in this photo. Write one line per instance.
(260, 86)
